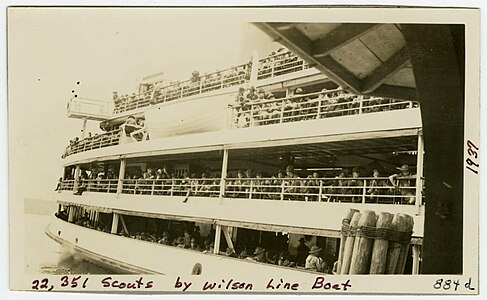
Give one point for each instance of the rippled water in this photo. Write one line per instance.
(44, 255)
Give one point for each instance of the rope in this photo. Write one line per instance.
(402, 237)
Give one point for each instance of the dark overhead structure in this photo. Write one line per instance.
(425, 62)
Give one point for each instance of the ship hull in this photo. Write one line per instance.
(130, 256)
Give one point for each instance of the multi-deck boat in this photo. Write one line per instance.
(266, 153)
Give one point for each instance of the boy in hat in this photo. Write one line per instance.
(314, 262)
(259, 255)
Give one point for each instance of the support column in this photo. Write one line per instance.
(121, 175)
(416, 258)
(70, 214)
(255, 68)
(97, 217)
(115, 223)
(419, 172)
(218, 232)
(83, 131)
(224, 172)
(76, 178)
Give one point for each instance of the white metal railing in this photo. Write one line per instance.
(204, 83)
(208, 187)
(356, 190)
(311, 106)
(107, 139)
(101, 185)
(280, 64)
(67, 185)
(129, 102)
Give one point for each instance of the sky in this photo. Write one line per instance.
(105, 50)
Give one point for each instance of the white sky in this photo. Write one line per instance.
(50, 50)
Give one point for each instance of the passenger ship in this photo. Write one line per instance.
(264, 154)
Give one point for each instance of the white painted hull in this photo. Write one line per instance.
(141, 257)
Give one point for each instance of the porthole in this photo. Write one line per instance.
(59, 233)
(197, 269)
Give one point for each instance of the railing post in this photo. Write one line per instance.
(361, 105)
(273, 67)
(419, 172)
(281, 119)
(121, 176)
(320, 192)
(282, 190)
(251, 121)
(172, 187)
(250, 189)
(224, 173)
(364, 191)
(153, 186)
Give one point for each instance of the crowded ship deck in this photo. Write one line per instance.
(250, 152)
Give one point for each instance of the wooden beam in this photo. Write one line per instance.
(228, 238)
(397, 92)
(437, 58)
(124, 225)
(339, 37)
(301, 45)
(347, 79)
(385, 71)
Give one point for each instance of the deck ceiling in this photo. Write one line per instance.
(364, 58)
(306, 152)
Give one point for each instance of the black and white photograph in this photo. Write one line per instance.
(298, 150)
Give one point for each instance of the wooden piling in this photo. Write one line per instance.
(362, 248)
(380, 246)
(401, 263)
(348, 249)
(343, 238)
(398, 224)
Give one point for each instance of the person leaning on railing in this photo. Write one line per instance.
(403, 183)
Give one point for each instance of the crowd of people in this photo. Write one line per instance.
(277, 253)
(345, 185)
(91, 141)
(340, 186)
(259, 107)
(153, 93)
(279, 62)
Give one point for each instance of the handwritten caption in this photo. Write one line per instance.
(449, 284)
(273, 284)
(472, 160)
(110, 283)
(319, 284)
